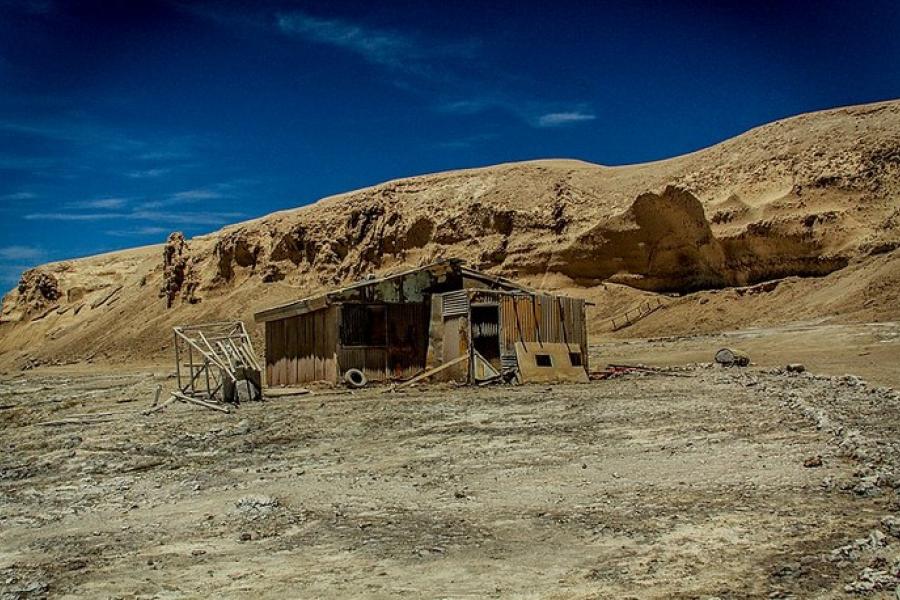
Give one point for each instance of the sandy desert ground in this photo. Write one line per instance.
(694, 482)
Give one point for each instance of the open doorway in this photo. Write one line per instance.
(486, 332)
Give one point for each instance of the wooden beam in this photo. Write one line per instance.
(432, 372)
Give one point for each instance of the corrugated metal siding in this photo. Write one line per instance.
(403, 353)
(540, 318)
(407, 333)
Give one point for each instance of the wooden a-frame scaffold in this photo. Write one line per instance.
(221, 367)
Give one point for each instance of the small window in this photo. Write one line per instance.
(575, 358)
(543, 360)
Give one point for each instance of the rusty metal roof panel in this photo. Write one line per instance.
(410, 285)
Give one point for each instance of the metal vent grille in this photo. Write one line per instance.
(454, 303)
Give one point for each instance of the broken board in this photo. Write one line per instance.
(546, 363)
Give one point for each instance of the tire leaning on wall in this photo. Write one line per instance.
(355, 378)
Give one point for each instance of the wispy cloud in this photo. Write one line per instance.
(187, 218)
(18, 196)
(74, 144)
(99, 204)
(198, 194)
(558, 119)
(377, 46)
(465, 107)
(534, 112)
(454, 75)
(16, 259)
(139, 232)
(184, 218)
(14, 253)
(64, 216)
(467, 142)
(195, 195)
(147, 173)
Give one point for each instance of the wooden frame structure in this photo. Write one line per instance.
(220, 358)
(399, 326)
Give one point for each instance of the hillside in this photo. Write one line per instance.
(811, 203)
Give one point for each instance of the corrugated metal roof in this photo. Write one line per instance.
(406, 289)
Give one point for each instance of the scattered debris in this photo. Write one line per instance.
(871, 579)
(633, 315)
(611, 371)
(85, 419)
(282, 392)
(431, 372)
(891, 524)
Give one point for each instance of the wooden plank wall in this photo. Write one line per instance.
(302, 348)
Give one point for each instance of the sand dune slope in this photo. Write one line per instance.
(812, 200)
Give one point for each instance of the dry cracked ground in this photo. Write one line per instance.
(695, 482)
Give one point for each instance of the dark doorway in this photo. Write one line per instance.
(486, 332)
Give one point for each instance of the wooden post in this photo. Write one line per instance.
(190, 364)
(177, 361)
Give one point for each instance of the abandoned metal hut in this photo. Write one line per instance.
(477, 326)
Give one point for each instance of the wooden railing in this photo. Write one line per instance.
(633, 315)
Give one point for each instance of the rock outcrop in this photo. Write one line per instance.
(804, 197)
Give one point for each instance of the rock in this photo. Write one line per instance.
(870, 580)
(245, 537)
(179, 277)
(271, 273)
(852, 381)
(813, 461)
(257, 504)
(245, 391)
(730, 357)
(242, 428)
(891, 524)
(795, 368)
(867, 486)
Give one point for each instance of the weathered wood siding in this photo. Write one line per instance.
(302, 348)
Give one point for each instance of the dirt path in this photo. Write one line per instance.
(688, 485)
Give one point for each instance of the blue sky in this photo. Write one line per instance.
(123, 121)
